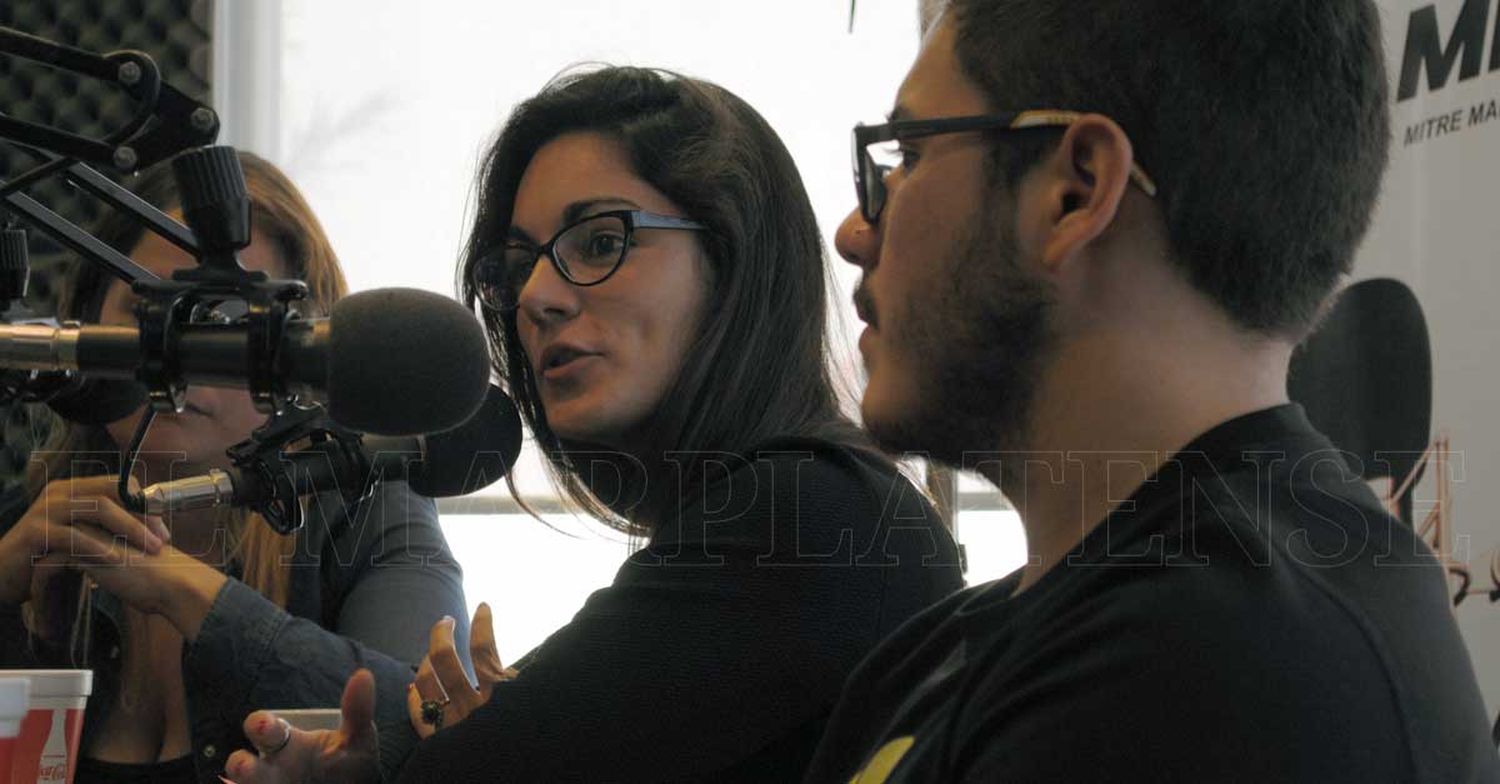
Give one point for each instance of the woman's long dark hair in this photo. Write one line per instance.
(758, 368)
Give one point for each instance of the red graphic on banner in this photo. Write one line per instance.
(1436, 527)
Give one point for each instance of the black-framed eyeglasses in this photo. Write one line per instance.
(585, 253)
(877, 148)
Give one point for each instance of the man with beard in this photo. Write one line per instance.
(1102, 229)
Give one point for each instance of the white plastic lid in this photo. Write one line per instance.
(55, 683)
(14, 698)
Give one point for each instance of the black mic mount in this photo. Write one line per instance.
(15, 274)
(263, 459)
(215, 207)
(270, 481)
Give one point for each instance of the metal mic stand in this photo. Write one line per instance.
(217, 210)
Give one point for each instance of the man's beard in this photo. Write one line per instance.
(976, 342)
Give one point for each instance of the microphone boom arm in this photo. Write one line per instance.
(214, 204)
(179, 121)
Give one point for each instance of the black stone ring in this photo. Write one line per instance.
(432, 713)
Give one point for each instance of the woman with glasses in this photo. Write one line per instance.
(653, 283)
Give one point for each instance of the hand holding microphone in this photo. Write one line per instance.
(70, 517)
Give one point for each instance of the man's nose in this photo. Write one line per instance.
(856, 240)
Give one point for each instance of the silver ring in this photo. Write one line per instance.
(286, 738)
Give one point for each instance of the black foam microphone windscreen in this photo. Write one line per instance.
(403, 362)
(1365, 377)
(473, 455)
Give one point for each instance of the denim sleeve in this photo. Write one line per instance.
(392, 578)
(401, 560)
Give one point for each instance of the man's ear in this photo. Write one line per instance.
(1086, 178)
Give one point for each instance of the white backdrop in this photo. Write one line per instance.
(1437, 230)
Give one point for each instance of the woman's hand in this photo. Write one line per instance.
(169, 583)
(347, 755)
(80, 525)
(441, 678)
(72, 520)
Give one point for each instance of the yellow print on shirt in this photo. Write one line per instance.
(879, 768)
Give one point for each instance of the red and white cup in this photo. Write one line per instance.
(14, 696)
(46, 749)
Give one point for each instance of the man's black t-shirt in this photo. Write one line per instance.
(1250, 614)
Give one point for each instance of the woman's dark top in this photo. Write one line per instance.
(367, 585)
(718, 652)
(92, 771)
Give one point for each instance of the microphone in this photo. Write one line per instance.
(85, 401)
(388, 361)
(460, 461)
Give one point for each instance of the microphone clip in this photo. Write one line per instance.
(195, 299)
(276, 478)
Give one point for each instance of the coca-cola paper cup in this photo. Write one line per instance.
(47, 748)
(14, 693)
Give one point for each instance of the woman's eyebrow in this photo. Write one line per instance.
(573, 213)
(579, 209)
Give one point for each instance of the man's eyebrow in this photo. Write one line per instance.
(898, 114)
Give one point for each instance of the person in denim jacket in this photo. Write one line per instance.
(191, 621)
